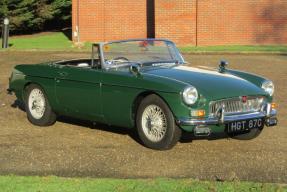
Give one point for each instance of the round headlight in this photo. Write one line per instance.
(268, 86)
(190, 95)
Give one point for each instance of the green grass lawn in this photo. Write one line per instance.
(53, 184)
(238, 48)
(50, 41)
(55, 41)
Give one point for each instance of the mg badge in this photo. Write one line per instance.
(244, 99)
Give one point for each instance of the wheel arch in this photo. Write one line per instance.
(48, 117)
(26, 85)
(47, 93)
(140, 97)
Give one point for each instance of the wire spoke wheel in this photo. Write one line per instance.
(37, 103)
(154, 123)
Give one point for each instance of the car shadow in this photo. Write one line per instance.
(99, 126)
(186, 137)
(88, 124)
(18, 104)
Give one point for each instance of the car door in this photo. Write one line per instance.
(78, 92)
(119, 90)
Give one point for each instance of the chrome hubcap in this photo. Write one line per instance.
(154, 123)
(36, 103)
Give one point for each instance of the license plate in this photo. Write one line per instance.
(244, 125)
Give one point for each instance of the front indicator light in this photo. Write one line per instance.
(197, 113)
(273, 105)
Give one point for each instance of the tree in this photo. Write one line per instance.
(3, 8)
(35, 15)
(61, 11)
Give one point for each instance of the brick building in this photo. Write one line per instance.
(194, 22)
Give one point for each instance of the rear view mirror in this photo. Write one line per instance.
(135, 69)
(222, 65)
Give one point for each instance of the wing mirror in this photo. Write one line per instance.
(135, 69)
(222, 66)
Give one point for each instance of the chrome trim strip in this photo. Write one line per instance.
(227, 119)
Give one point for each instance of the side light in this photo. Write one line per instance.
(197, 113)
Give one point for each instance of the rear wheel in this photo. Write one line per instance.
(156, 125)
(252, 134)
(38, 109)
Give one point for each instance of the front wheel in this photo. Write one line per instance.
(156, 125)
(38, 109)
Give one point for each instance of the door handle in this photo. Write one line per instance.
(63, 74)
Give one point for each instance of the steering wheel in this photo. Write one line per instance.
(121, 58)
(116, 60)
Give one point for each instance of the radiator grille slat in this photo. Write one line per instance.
(236, 105)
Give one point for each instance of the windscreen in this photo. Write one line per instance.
(141, 51)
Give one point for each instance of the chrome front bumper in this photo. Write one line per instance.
(223, 119)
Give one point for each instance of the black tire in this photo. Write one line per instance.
(172, 131)
(48, 116)
(252, 134)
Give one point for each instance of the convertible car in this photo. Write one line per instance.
(146, 84)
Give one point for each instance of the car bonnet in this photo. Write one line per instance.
(210, 83)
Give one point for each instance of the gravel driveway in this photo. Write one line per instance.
(75, 148)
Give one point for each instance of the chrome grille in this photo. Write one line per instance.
(236, 105)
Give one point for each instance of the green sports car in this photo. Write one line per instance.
(145, 84)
